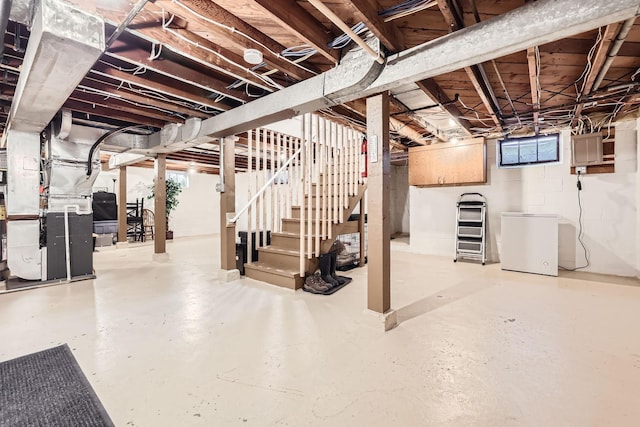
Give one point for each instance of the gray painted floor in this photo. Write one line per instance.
(166, 344)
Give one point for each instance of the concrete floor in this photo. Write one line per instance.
(166, 344)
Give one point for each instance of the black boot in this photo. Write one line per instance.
(325, 270)
(334, 262)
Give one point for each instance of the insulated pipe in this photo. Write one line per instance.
(5, 11)
(347, 30)
(615, 48)
(104, 138)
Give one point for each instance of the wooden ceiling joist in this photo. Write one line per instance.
(192, 46)
(140, 57)
(238, 33)
(111, 71)
(391, 36)
(290, 15)
(89, 97)
(112, 113)
(108, 88)
(473, 73)
(433, 91)
(610, 33)
(532, 60)
(387, 32)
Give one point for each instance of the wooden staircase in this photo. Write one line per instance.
(279, 263)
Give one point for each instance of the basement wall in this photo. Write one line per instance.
(400, 200)
(609, 208)
(199, 207)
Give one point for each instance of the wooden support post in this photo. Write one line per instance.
(361, 231)
(379, 173)
(122, 205)
(160, 205)
(228, 206)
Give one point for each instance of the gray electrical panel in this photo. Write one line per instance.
(586, 149)
(81, 245)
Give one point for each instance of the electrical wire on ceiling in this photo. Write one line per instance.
(589, 66)
(108, 95)
(236, 31)
(269, 82)
(300, 51)
(405, 8)
(343, 40)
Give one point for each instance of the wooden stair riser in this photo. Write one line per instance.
(295, 212)
(286, 242)
(292, 225)
(279, 260)
(289, 282)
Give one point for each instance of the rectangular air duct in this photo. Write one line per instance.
(64, 44)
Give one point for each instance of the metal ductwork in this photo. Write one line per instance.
(534, 24)
(5, 11)
(22, 11)
(64, 44)
(23, 205)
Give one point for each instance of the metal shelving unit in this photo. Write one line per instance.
(471, 227)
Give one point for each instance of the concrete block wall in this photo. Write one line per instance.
(610, 220)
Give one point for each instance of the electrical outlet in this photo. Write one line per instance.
(582, 170)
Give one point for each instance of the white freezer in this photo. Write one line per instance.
(530, 243)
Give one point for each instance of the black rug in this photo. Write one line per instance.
(48, 388)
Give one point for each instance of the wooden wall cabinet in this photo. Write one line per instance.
(460, 163)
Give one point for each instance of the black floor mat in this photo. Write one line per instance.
(332, 290)
(48, 388)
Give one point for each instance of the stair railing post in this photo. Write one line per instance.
(301, 198)
(250, 195)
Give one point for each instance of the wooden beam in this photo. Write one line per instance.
(88, 108)
(127, 93)
(609, 36)
(191, 46)
(106, 69)
(378, 187)
(228, 206)
(140, 57)
(290, 15)
(533, 81)
(455, 23)
(388, 33)
(160, 205)
(81, 95)
(401, 128)
(433, 91)
(196, 10)
(122, 205)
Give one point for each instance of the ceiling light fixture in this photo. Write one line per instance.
(253, 56)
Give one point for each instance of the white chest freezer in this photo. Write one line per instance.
(530, 243)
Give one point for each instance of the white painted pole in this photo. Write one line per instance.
(301, 189)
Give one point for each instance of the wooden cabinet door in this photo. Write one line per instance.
(458, 163)
(425, 165)
(468, 164)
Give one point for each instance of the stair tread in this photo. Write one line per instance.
(258, 265)
(283, 251)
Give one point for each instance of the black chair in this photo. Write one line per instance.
(135, 223)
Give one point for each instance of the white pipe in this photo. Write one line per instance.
(67, 243)
(347, 30)
(615, 48)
